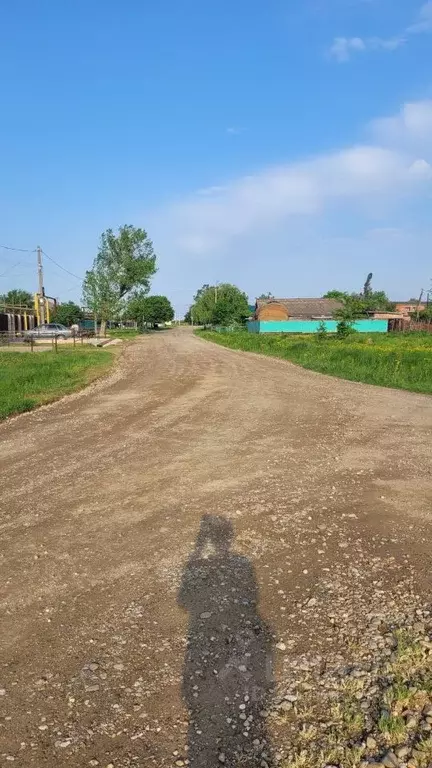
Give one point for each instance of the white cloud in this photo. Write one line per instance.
(312, 216)
(363, 177)
(411, 128)
(210, 191)
(233, 131)
(421, 169)
(424, 20)
(343, 47)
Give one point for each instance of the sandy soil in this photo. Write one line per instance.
(106, 586)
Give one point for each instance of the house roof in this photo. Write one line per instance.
(305, 307)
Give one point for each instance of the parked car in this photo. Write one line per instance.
(48, 331)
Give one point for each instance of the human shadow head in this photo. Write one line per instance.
(228, 668)
(216, 532)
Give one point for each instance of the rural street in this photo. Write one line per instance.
(327, 485)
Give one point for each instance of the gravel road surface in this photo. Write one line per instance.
(180, 537)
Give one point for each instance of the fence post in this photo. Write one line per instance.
(55, 343)
(32, 343)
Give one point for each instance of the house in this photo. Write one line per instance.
(407, 308)
(305, 316)
(296, 309)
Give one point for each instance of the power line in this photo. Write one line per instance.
(21, 250)
(9, 269)
(74, 287)
(81, 279)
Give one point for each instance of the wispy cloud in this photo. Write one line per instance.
(298, 225)
(362, 177)
(209, 191)
(344, 47)
(234, 131)
(424, 20)
(410, 130)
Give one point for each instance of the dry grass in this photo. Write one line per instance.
(338, 736)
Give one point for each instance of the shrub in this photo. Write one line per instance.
(344, 328)
(322, 332)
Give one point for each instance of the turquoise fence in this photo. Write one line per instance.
(311, 326)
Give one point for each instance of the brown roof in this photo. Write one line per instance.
(305, 308)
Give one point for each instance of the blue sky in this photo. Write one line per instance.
(283, 145)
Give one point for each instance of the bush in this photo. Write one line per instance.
(67, 314)
(344, 328)
(322, 332)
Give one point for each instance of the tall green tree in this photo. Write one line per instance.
(18, 298)
(67, 313)
(203, 305)
(222, 304)
(125, 261)
(367, 288)
(149, 310)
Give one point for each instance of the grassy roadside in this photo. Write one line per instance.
(31, 379)
(400, 361)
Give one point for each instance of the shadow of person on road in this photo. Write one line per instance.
(228, 670)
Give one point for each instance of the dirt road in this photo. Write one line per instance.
(109, 501)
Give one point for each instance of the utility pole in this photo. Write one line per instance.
(216, 292)
(41, 286)
(418, 304)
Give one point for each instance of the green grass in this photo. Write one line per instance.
(403, 361)
(30, 379)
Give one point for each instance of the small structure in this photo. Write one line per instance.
(305, 316)
(407, 308)
(14, 319)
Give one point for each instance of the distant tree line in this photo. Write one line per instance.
(17, 298)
